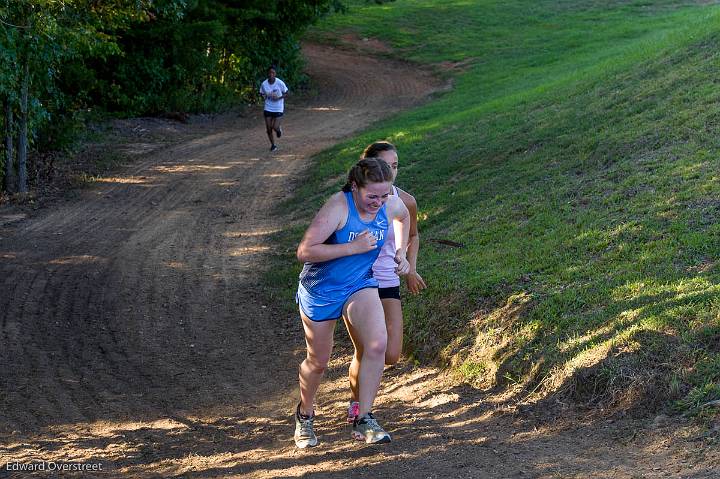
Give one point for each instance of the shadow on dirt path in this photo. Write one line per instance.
(134, 334)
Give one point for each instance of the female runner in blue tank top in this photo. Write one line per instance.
(339, 249)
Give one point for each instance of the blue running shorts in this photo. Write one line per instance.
(321, 309)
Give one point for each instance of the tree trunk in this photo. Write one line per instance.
(23, 131)
(9, 148)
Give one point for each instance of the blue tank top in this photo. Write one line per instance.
(340, 276)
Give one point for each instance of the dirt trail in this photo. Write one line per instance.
(134, 335)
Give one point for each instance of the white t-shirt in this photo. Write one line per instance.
(278, 87)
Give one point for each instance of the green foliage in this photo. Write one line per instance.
(576, 160)
(134, 57)
(40, 37)
(209, 56)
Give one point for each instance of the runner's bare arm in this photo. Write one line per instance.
(401, 222)
(414, 281)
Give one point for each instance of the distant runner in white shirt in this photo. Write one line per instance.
(273, 90)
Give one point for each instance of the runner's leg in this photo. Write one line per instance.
(319, 340)
(364, 312)
(354, 370)
(276, 126)
(269, 129)
(394, 323)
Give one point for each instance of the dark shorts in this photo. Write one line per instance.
(272, 114)
(389, 293)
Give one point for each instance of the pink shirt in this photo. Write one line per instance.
(384, 266)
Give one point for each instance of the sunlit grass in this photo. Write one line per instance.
(576, 161)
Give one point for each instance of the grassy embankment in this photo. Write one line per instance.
(576, 159)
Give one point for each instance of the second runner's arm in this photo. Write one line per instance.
(414, 281)
(401, 222)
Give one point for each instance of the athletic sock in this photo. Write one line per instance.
(301, 415)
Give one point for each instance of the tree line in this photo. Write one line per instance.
(63, 61)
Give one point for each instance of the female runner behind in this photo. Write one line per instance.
(388, 280)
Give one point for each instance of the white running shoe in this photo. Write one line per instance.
(366, 428)
(304, 433)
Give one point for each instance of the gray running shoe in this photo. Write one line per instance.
(367, 429)
(304, 433)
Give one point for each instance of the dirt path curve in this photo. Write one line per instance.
(134, 335)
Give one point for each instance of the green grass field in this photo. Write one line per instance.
(576, 159)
